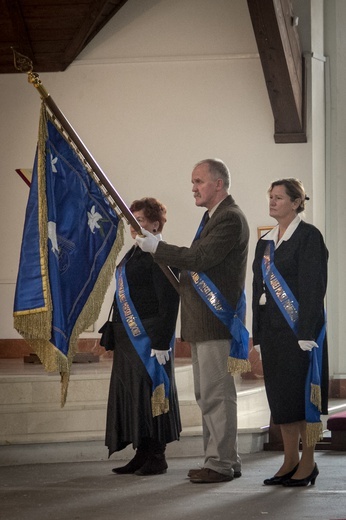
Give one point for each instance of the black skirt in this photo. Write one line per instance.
(129, 413)
(285, 368)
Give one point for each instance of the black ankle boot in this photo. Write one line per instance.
(134, 464)
(155, 464)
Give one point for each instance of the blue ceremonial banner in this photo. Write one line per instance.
(71, 239)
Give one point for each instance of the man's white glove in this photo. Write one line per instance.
(148, 243)
(161, 355)
(258, 349)
(307, 344)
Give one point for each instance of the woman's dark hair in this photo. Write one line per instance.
(294, 189)
(153, 210)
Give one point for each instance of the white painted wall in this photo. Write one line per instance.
(335, 50)
(163, 85)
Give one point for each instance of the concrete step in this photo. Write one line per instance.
(30, 411)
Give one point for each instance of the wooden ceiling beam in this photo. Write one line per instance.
(100, 12)
(282, 63)
(50, 32)
(22, 40)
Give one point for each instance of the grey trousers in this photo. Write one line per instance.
(216, 396)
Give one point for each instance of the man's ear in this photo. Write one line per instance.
(219, 183)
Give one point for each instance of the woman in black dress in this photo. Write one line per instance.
(289, 286)
(143, 405)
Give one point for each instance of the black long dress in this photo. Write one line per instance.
(302, 262)
(129, 413)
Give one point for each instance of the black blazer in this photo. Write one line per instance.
(153, 296)
(302, 262)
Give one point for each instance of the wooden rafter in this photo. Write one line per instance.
(51, 33)
(282, 63)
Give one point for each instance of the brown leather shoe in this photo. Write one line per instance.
(192, 472)
(209, 476)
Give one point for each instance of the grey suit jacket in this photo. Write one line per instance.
(221, 253)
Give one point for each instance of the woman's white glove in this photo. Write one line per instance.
(149, 242)
(161, 355)
(258, 349)
(307, 344)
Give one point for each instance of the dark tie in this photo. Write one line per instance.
(202, 224)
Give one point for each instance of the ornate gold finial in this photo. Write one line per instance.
(24, 64)
(21, 62)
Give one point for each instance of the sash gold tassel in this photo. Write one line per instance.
(238, 366)
(159, 403)
(315, 396)
(314, 433)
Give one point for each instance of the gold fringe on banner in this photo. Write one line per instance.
(314, 433)
(159, 403)
(238, 366)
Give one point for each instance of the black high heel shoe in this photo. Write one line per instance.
(279, 480)
(294, 482)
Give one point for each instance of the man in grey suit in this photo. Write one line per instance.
(217, 256)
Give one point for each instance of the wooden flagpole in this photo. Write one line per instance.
(24, 64)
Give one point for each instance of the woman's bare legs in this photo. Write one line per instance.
(291, 435)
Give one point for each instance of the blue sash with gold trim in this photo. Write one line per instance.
(289, 307)
(141, 342)
(233, 320)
